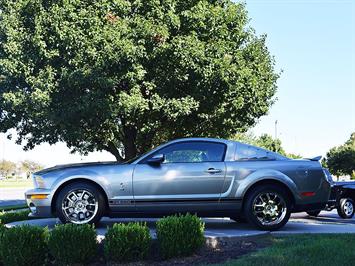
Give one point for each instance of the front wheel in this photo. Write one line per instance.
(80, 203)
(346, 208)
(267, 207)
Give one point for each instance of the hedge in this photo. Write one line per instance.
(73, 244)
(180, 235)
(23, 245)
(127, 242)
(69, 244)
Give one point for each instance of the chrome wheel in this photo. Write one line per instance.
(269, 208)
(79, 206)
(348, 208)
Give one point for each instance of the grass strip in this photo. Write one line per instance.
(14, 216)
(303, 250)
(13, 207)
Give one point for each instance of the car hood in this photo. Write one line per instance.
(74, 165)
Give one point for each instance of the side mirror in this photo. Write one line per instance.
(156, 159)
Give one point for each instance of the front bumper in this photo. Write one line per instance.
(40, 207)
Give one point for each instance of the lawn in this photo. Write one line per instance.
(303, 250)
(13, 207)
(14, 216)
(16, 183)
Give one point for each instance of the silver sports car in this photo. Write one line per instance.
(209, 177)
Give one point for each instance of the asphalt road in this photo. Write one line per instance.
(300, 223)
(12, 196)
(326, 222)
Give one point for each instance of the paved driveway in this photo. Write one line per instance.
(327, 222)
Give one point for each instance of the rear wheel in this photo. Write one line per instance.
(80, 203)
(313, 213)
(267, 207)
(346, 208)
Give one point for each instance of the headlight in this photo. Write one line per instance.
(39, 182)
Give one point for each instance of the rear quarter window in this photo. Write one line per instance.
(250, 153)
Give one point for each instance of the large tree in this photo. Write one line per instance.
(341, 160)
(28, 166)
(122, 76)
(7, 168)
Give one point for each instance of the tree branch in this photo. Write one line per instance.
(110, 147)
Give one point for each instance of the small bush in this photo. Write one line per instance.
(2, 230)
(9, 217)
(23, 245)
(73, 244)
(127, 242)
(180, 235)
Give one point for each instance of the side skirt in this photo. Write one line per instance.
(149, 208)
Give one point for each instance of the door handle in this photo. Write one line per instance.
(213, 171)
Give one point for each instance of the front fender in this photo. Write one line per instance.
(266, 174)
(82, 174)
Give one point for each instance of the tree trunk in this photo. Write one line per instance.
(129, 142)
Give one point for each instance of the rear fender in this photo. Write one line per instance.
(266, 174)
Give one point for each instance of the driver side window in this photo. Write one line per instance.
(193, 152)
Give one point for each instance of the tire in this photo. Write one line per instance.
(314, 213)
(264, 212)
(346, 208)
(87, 209)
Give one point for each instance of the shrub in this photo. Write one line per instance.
(2, 230)
(9, 217)
(127, 242)
(24, 245)
(180, 235)
(73, 244)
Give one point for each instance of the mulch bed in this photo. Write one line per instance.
(218, 252)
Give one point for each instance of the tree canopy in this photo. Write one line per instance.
(29, 166)
(7, 168)
(341, 160)
(123, 76)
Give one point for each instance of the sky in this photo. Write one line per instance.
(313, 43)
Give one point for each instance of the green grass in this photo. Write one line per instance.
(303, 250)
(16, 183)
(9, 216)
(13, 207)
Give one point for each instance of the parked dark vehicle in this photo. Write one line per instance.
(342, 198)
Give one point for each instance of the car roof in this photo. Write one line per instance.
(201, 139)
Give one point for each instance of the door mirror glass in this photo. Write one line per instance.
(156, 159)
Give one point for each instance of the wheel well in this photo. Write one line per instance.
(349, 193)
(74, 181)
(272, 182)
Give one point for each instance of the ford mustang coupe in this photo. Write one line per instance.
(209, 177)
